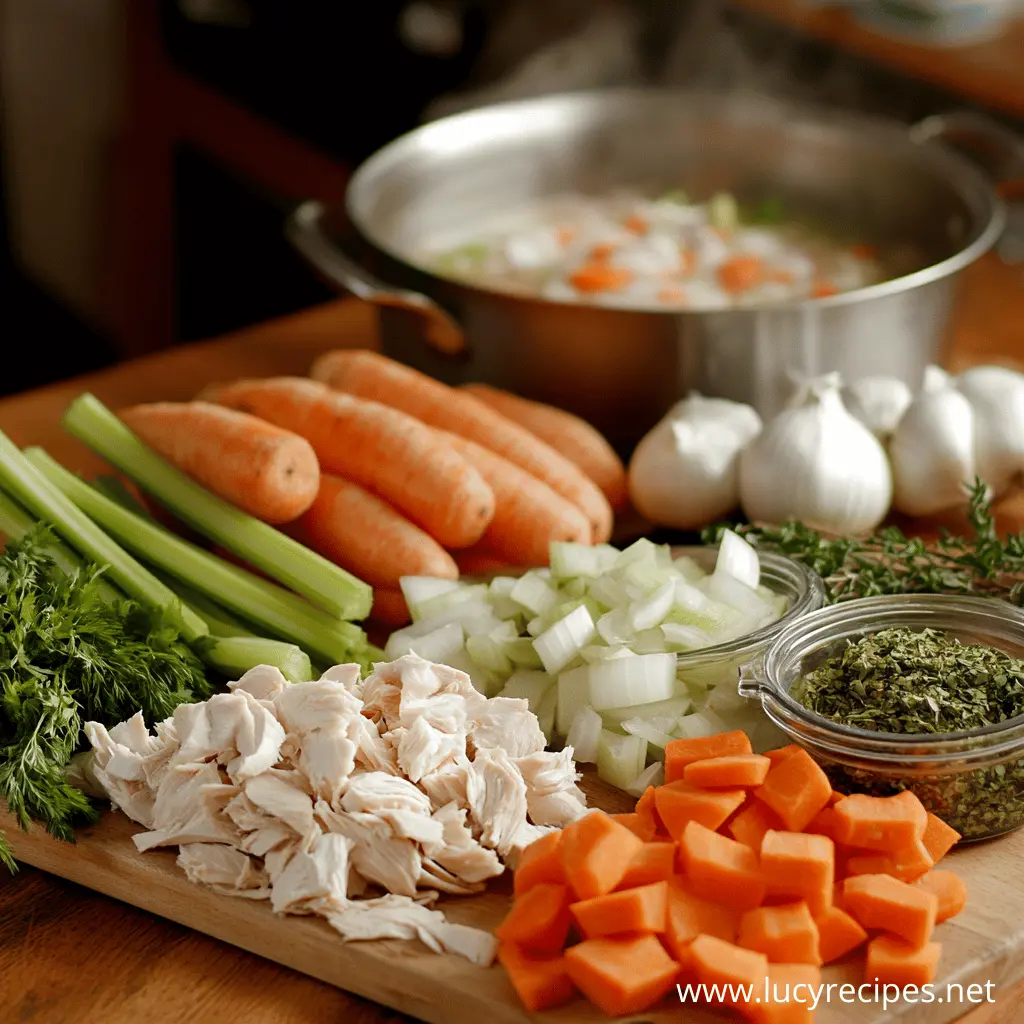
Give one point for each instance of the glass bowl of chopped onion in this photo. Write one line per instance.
(920, 692)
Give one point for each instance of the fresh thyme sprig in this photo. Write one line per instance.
(889, 562)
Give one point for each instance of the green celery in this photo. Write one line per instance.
(269, 606)
(286, 560)
(23, 481)
(219, 621)
(233, 656)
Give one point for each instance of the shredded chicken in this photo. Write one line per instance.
(319, 795)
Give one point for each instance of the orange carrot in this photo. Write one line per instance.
(730, 968)
(680, 753)
(646, 808)
(741, 273)
(949, 890)
(681, 802)
(540, 862)
(538, 921)
(402, 461)
(600, 277)
(838, 934)
(690, 915)
(540, 983)
(799, 866)
(653, 862)
(795, 789)
(268, 472)
(906, 864)
(786, 934)
(894, 962)
(881, 901)
(636, 225)
(823, 823)
(730, 771)
(779, 753)
(528, 515)
(642, 909)
(884, 823)
(573, 437)
(749, 825)
(722, 866)
(389, 607)
(480, 560)
(823, 290)
(596, 853)
(365, 535)
(636, 824)
(369, 375)
(939, 838)
(622, 975)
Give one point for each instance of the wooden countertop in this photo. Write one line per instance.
(70, 955)
(990, 72)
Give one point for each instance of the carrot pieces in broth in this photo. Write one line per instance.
(659, 896)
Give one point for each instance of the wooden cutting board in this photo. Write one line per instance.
(984, 944)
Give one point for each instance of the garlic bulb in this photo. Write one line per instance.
(878, 402)
(684, 472)
(997, 396)
(816, 463)
(932, 448)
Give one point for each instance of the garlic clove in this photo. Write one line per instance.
(932, 450)
(879, 403)
(996, 395)
(817, 463)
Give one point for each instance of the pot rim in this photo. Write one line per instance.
(961, 174)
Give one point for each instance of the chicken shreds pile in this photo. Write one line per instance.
(319, 795)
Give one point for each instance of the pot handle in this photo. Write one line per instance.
(304, 229)
(1001, 149)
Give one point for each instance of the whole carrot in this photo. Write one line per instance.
(574, 437)
(268, 472)
(370, 375)
(366, 536)
(389, 607)
(528, 515)
(480, 560)
(380, 448)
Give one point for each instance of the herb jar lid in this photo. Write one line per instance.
(809, 641)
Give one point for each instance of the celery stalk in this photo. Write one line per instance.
(23, 481)
(233, 656)
(269, 606)
(286, 560)
(219, 621)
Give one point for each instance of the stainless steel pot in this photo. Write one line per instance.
(621, 369)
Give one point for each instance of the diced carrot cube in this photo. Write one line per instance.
(729, 967)
(884, 823)
(749, 825)
(647, 812)
(838, 934)
(680, 753)
(939, 838)
(892, 961)
(723, 866)
(796, 789)
(681, 802)
(786, 934)
(780, 753)
(538, 921)
(835, 798)
(639, 826)
(622, 975)
(653, 862)
(540, 983)
(949, 890)
(639, 910)
(799, 867)
(881, 901)
(823, 823)
(596, 853)
(540, 862)
(732, 770)
(690, 915)
(907, 864)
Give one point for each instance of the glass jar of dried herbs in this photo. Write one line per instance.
(921, 692)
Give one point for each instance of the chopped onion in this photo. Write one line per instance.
(417, 589)
(620, 759)
(585, 734)
(532, 687)
(640, 680)
(689, 638)
(645, 728)
(561, 644)
(534, 593)
(652, 775)
(651, 611)
(439, 646)
(738, 559)
(487, 654)
(573, 561)
(673, 708)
